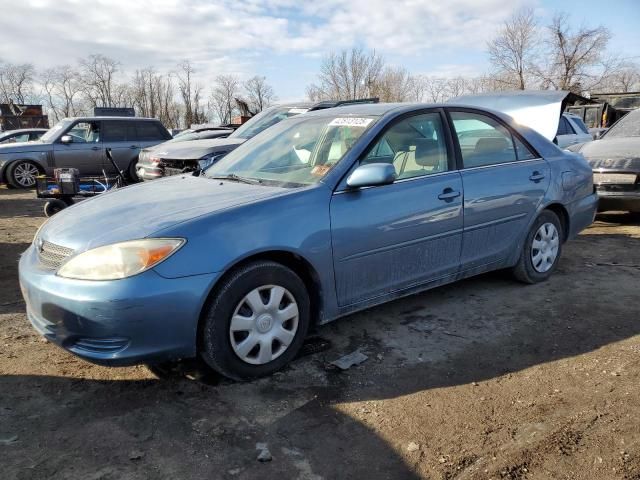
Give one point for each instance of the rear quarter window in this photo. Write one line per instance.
(149, 131)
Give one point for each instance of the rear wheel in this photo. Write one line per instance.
(22, 174)
(54, 206)
(256, 321)
(132, 172)
(541, 250)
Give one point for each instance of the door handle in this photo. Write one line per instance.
(95, 148)
(448, 194)
(133, 147)
(536, 176)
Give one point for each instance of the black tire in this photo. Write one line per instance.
(17, 181)
(524, 270)
(132, 172)
(54, 206)
(214, 337)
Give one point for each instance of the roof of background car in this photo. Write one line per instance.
(89, 118)
(23, 130)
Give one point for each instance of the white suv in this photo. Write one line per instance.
(571, 130)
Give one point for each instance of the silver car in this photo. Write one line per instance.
(80, 143)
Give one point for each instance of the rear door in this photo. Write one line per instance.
(120, 137)
(504, 180)
(392, 237)
(85, 152)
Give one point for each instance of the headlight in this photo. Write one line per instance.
(120, 260)
(209, 159)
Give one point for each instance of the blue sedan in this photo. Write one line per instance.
(317, 217)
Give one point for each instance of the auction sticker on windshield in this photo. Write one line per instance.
(350, 122)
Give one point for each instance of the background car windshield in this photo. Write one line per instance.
(628, 126)
(54, 131)
(294, 153)
(264, 120)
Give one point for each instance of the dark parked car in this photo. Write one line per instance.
(172, 158)
(615, 159)
(21, 135)
(80, 143)
(320, 216)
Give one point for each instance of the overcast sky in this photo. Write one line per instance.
(283, 40)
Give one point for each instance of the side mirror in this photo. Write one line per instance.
(66, 139)
(371, 175)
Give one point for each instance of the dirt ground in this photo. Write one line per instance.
(482, 379)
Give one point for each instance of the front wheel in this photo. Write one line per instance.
(256, 321)
(22, 174)
(541, 250)
(54, 206)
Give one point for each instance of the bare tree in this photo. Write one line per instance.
(259, 93)
(63, 89)
(626, 79)
(579, 60)
(191, 93)
(513, 52)
(98, 75)
(393, 85)
(222, 99)
(16, 82)
(347, 75)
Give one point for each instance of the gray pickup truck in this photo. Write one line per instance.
(80, 143)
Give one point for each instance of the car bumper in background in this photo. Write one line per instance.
(618, 190)
(142, 319)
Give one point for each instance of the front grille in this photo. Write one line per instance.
(52, 255)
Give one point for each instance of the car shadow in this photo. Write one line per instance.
(476, 330)
(17, 203)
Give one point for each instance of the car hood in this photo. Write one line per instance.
(194, 149)
(22, 147)
(539, 110)
(613, 153)
(143, 209)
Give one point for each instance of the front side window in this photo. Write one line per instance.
(416, 146)
(85, 132)
(293, 153)
(484, 141)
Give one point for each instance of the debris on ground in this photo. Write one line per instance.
(9, 440)
(265, 454)
(348, 361)
(136, 455)
(413, 447)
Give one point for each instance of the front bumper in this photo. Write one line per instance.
(142, 319)
(148, 172)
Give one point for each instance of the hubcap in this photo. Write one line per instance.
(544, 248)
(264, 324)
(25, 174)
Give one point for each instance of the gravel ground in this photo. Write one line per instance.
(483, 379)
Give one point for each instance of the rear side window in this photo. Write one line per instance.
(580, 124)
(564, 128)
(148, 131)
(114, 131)
(483, 141)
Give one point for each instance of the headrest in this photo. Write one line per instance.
(428, 152)
(491, 145)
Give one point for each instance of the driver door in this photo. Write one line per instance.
(85, 152)
(393, 237)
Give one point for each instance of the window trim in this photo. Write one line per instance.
(514, 134)
(451, 157)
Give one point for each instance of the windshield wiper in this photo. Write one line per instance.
(237, 178)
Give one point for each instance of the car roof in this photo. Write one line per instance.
(145, 119)
(23, 130)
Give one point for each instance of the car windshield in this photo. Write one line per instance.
(294, 153)
(265, 119)
(627, 126)
(54, 131)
